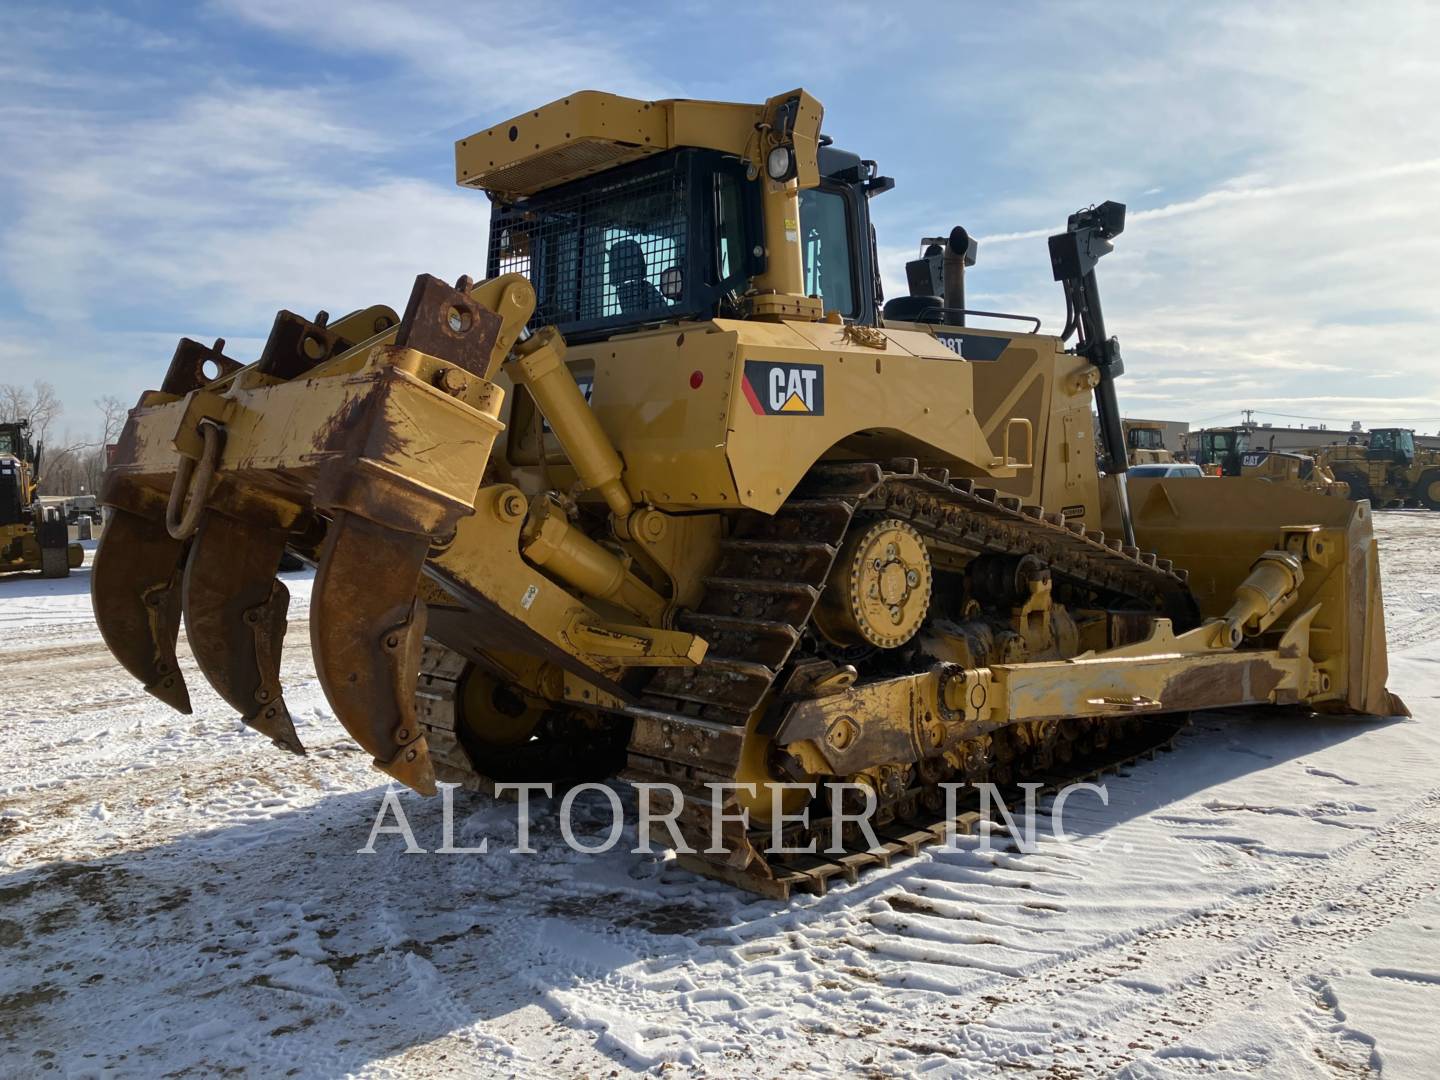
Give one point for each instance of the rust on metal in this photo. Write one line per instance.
(235, 620)
(195, 364)
(367, 627)
(1219, 685)
(135, 591)
(444, 322)
(297, 344)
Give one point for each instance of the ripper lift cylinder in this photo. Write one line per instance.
(553, 543)
(540, 365)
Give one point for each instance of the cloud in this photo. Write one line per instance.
(469, 58)
(191, 173)
(1237, 192)
(176, 178)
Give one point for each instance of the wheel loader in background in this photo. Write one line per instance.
(1386, 469)
(673, 493)
(1220, 451)
(32, 536)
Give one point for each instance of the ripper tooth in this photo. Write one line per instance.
(235, 619)
(366, 631)
(135, 591)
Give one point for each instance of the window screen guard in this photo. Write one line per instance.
(670, 237)
(598, 253)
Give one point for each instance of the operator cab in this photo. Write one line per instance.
(16, 456)
(1144, 438)
(1391, 444)
(678, 236)
(1223, 447)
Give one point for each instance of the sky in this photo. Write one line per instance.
(170, 170)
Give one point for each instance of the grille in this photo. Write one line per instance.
(599, 253)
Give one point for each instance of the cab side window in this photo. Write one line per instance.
(825, 242)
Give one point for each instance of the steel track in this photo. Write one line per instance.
(757, 607)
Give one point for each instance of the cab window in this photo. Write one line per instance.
(729, 227)
(825, 243)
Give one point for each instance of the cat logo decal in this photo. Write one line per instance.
(784, 389)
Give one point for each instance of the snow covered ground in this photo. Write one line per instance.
(179, 898)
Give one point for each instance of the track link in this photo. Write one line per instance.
(758, 604)
(440, 673)
(565, 748)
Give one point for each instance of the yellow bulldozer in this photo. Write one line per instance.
(670, 492)
(1303, 471)
(1387, 469)
(32, 535)
(1229, 451)
(1145, 443)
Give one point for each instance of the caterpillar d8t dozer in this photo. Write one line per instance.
(1145, 443)
(669, 495)
(1295, 470)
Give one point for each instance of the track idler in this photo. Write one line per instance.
(367, 628)
(235, 620)
(135, 590)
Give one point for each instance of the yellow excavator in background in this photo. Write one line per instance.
(671, 492)
(32, 536)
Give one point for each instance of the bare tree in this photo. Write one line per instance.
(115, 412)
(36, 403)
(71, 465)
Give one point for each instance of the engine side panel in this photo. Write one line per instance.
(731, 414)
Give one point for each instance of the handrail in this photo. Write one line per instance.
(1024, 421)
(945, 312)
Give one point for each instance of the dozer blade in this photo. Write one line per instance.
(1217, 529)
(135, 590)
(235, 620)
(367, 627)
